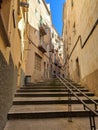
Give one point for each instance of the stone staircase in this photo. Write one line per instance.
(48, 99)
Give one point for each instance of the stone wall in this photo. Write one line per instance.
(91, 81)
(8, 78)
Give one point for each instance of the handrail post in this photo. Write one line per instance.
(92, 121)
(69, 107)
(95, 107)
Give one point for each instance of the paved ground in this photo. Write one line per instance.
(50, 124)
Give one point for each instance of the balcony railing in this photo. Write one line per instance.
(42, 46)
(57, 62)
(42, 30)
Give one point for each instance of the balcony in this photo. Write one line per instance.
(24, 4)
(42, 30)
(56, 62)
(42, 46)
(51, 48)
(59, 65)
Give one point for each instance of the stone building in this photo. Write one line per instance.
(11, 61)
(57, 56)
(80, 30)
(39, 35)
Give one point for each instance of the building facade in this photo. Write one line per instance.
(11, 61)
(80, 32)
(58, 55)
(39, 35)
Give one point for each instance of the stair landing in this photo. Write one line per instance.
(50, 124)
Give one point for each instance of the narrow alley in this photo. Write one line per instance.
(48, 65)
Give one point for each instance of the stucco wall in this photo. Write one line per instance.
(10, 57)
(81, 42)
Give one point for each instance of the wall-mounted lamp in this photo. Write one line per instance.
(0, 3)
(24, 4)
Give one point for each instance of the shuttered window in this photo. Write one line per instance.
(38, 60)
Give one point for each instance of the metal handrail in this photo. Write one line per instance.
(96, 104)
(94, 112)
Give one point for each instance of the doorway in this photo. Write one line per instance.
(77, 70)
(44, 69)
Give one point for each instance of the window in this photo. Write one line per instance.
(52, 35)
(74, 28)
(68, 24)
(18, 7)
(72, 3)
(14, 19)
(39, 1)
(41, 19)
(66, 30)
(38, 62)
(36, 13)
(69, 41)
(78, 69)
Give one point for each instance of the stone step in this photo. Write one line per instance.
(45, 111)
(49, 82)
(54, 84)
(48, 87)
(45, 84)
(42, 115)
(57, 83)
(47, 94)
(45, 100)
(50, 100)
(49, 90)
(50, 124)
